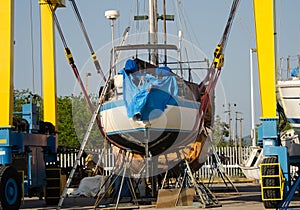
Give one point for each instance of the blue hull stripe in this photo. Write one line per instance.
(294, 120)
(151, 129)
(119, 103)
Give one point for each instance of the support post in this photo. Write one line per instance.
(6, 62)
(48, 59)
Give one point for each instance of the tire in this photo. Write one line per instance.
(10, 188)
(270, 193)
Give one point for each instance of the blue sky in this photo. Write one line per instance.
(205, 21)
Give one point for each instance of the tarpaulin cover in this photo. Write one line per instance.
(295, 72)
(146, 96)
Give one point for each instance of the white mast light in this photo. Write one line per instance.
(112, 14)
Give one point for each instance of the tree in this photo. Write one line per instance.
(66, 129)
(82, 115)
(220, 131)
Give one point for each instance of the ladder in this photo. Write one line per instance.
(82, 146)
(218, 168)
(206, 197)
(122, 169)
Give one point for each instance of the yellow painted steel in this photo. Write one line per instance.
(48, 63)
(277, 179)
(6, 62)
(3, 141)
(264, 24)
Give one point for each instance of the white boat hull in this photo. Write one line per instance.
(289, 92)
(172, 127)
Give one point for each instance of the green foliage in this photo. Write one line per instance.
(220, 131)
(82, 115)
(23, 97)
(73, 118)
(67, 135)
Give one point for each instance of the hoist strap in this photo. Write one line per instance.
(210, 81)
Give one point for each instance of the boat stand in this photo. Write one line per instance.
(126, 163)
(205, 198)
(217, 169)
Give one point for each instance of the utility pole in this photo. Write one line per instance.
(241, 139)
(236, 128)
(237, 149)
(229, 124)
(87, 75)
(241, 130)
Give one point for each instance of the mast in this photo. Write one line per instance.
(153, 54)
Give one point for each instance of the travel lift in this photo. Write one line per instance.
(275, 178)
(36, 147)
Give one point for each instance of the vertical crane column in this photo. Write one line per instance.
(6, 77)
(6, 62)
(48, 62)
(264, 24)
(47, 7)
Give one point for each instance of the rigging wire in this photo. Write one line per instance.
(251, 35)
(32, 46)
(226, 32)
(177, 3)
(216, 66)
(94, 56)
(186, 22)
(137, 22)
(130, 13)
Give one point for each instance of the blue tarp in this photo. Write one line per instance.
(163, 71)
(295, 72)
(131, 66)
(146, 96)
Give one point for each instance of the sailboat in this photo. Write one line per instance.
(150, 108)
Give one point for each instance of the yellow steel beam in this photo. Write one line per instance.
(264, 24)
(48, 63)
(6, 62)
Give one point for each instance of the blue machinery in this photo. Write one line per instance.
(276, 183)
(26, 145)
(27, 148)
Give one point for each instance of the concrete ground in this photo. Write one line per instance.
(248, 198)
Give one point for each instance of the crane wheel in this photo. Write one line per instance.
(271, 193)
(10, 188)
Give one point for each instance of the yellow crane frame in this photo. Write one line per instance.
(48, 60)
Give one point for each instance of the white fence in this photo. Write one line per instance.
(233, 157)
